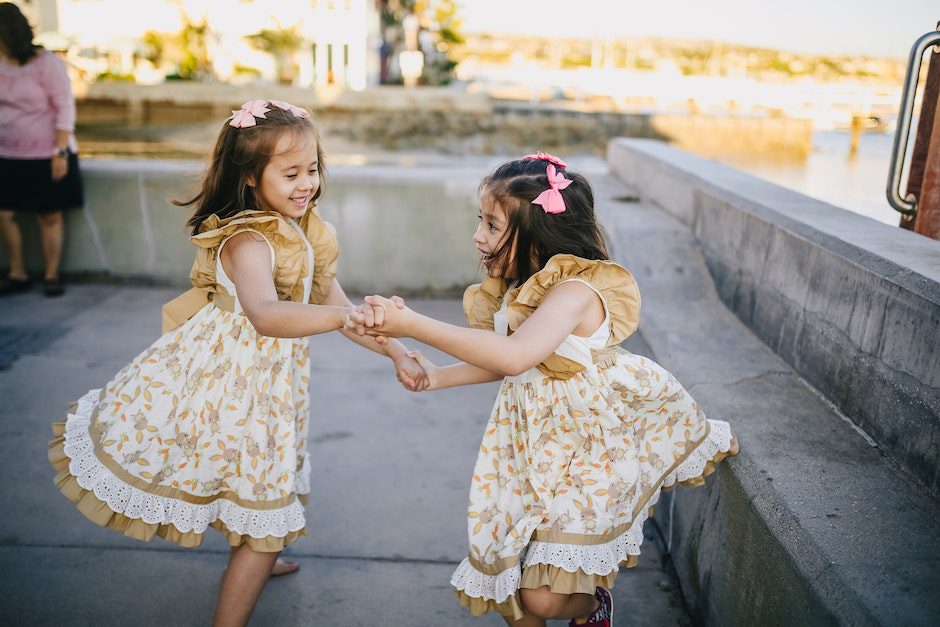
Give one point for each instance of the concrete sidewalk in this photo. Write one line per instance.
(386, 519)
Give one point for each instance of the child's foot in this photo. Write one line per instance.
(284, 567)
(603, 616)
(281, 567)
(14, 285)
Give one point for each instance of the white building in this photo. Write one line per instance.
(341, 36)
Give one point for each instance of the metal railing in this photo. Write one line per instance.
(907, 205)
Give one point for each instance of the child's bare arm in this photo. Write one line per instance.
(246, 259)
(539, 336)
(411, 375)
(454, 375)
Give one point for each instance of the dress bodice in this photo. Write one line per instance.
(229, 286)
(575, 347)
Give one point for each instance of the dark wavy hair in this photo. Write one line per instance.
(240, 155)
(16, 35)
(539, 235)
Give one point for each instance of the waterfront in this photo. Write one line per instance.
(831, 175)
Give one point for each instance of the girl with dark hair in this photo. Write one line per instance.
(38, 154)
(583, 435)
(208, 426)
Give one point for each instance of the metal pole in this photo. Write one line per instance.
(907, 206)
(915, 175)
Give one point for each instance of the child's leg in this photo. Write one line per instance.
(242, 584)
(541, 604)
(281, 566)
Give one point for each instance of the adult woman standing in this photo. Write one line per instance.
(38, 153)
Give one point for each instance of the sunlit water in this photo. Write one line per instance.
(830, 174)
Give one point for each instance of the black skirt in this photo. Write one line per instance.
(27, 185)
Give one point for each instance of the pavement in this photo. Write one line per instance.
(386, 519)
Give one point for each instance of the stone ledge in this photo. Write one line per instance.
(810, 524)
(853, 305)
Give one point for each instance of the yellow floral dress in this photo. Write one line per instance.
(208, 426)
(576, 450)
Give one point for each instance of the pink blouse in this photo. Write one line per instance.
(35, 101)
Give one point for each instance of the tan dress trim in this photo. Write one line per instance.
(99, 513)
(511, 607)
(482, 301)
(561, 581)
(291, 261)
(565, 582)
(322, 236)
(615, 283)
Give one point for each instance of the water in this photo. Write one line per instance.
(831, 175)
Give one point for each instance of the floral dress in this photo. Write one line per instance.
(576, 450)
(208, 426)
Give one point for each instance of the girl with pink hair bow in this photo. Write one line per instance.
(583, 435)
(208, 426)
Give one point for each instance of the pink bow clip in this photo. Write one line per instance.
(245, 116)
(551, 199)
(300, 112)
(544, 156)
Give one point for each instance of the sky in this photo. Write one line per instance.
(881, 28)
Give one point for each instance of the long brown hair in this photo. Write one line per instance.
(239, 156)
(539, 235)
(16, 35)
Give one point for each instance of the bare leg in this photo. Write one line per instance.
(542, 603)
(242, 584)
(281, 565)
(51, 229)
(527, 621)
(13, 242)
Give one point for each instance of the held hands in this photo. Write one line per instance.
(382, 318)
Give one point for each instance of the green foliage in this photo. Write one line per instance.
(186, 50)
(115, 77)
(247, 70)
(277, 40)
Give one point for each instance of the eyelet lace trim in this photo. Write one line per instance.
(595, 559)
(124, 499)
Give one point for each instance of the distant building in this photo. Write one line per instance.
(341, 37)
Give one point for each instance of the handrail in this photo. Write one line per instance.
(907, 206)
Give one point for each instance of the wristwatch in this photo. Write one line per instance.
(62, 152)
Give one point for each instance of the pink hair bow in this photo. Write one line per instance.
(551, 199)
(245, 116)
(544, 156)
(300, 112)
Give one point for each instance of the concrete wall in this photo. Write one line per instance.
(851, 304)
(811, 523)
(452, 121)
(400, 229)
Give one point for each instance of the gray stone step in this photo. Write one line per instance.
(810, 523)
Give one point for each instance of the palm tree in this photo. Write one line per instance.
(283, 44)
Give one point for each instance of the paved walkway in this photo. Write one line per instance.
(386, 519)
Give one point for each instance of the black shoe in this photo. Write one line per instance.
(15, 286)
(53, 287)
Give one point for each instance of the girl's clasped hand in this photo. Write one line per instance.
(382, 318)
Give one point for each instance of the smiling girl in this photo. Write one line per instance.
(208, 426)
(583, 435)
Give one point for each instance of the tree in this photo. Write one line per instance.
(438, 17)
(283, 44)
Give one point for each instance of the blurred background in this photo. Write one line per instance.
(801, 93)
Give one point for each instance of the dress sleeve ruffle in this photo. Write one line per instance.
(322, 237)
(291, 262)
(482, 301)
(614, 282)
